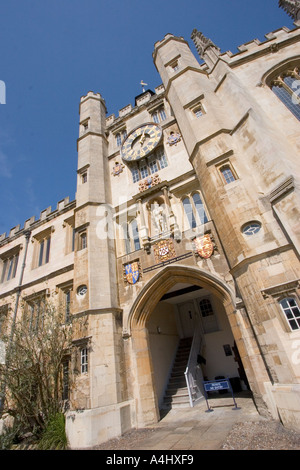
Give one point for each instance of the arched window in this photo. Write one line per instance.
(292, 312)
(131, 237)
(135, 235)
(227, 174)
(200, 208)
(120, 137)
(286, 87)
(194, 210)
(126, 238)
(82, 241)
(159, 115)
(189, 212)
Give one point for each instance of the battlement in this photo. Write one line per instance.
(128, 109)
(45, 215)
(91, 94)
(166, 38)
(273, 41)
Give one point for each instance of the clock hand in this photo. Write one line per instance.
(142, 139)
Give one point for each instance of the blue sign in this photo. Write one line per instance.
(214, 386)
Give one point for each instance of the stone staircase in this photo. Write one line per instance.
(177, 394)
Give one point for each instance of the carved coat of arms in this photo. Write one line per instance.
(204, 246)
(164, 250)
(174, 138)
(117, 169)
(149, 182)
(132, 272)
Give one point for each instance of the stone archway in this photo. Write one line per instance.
(163, 281)
(135, 329)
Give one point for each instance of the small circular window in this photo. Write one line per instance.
(251, 228)
(81, 291)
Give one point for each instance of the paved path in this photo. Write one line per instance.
(197, 429)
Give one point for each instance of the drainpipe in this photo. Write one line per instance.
(19, 288)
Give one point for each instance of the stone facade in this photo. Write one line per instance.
(185, 223)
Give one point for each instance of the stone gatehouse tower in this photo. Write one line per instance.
(184, 230)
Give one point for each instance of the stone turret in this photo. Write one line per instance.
(206, 49)
(292, 7)
(95, 284)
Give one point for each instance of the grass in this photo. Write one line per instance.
(54, 437)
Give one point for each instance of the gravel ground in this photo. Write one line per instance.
(261, 435)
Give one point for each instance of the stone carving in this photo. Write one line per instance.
(132, 272)
(164, 250)
(159, 218)
(117, 169)
(204, 246)
(174, 138)
(149, 182)
(202, 43)
(292, 8)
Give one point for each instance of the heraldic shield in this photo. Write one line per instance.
(132, 272)
(204, 246)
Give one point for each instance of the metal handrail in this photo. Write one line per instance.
(193, 373)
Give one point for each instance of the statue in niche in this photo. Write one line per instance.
(159, 218)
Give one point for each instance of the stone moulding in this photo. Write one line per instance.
(281, 289)
(282, 189)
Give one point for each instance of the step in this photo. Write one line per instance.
(176, 394)
(181, 361)
(178, 373)
(184, 400)
(181, 351)
(179, 392)
(180, 366)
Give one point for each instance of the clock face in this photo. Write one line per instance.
(141, 142)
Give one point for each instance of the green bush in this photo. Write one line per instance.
(54, 436)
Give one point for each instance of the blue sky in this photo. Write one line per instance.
(55, 51)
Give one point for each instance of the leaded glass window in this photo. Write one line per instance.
(287, 87)
(292, 312)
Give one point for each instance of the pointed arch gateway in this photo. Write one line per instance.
(135, 328)
(165, 280)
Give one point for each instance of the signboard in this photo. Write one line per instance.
(215, 386)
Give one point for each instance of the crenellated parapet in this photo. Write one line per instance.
(141, 100)
(91, 94)
(274, 41)
(45, 215)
